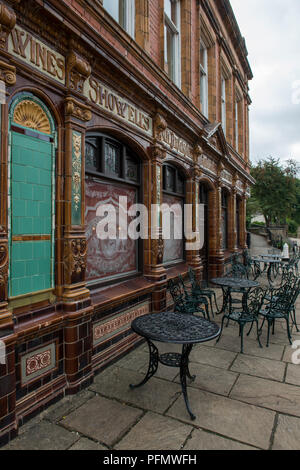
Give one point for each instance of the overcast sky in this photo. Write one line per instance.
(272, 32)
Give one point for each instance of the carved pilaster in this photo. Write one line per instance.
(75, 254)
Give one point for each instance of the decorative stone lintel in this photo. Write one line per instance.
(78, 110)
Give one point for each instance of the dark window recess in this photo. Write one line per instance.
(91, 154)
(173, 181)
(132, 169)
(112, 159)
(108, 157)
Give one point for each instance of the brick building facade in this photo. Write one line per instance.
(105, 99)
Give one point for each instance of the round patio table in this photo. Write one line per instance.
(271, 264)
(176, 328)
(229, 283)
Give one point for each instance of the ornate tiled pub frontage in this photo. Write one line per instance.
(101, 101)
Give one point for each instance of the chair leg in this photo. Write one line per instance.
(269, 327)
(211, 307)
(294, 319)
(273, 330)
(222, 326)
(251, 328)
(258, 334)
(288, 330)
(242, 337)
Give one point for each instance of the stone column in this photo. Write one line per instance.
(216, 255)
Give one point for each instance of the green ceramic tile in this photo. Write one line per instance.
(25, 191)
(32, 175)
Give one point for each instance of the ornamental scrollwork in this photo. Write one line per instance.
(78, 110)
(76, 174)
(75, 258)
(7, 23)
(3, 264)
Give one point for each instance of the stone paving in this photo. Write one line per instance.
(241, 401)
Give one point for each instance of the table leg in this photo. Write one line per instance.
(184, 371)
(226, 298)
(153, 364)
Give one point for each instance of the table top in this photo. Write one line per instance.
(279, 256)
(267, 260)
(177, 328)
(235, 282)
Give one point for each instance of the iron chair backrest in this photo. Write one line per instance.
(255, 299)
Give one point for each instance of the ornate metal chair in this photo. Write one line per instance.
(202, 290)
(184, 303)
(252, 266)
(249, 314)
(238, 271)
(280, 304)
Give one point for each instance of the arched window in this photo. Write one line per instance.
(224, 219)
(31, 196)
(113, 176)
(173, 197)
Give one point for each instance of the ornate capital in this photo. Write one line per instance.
(157, 152)
(78, 110)
(7, 23)
(78, 70)
(7, 73)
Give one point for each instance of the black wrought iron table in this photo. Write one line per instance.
(229, 283)
(176, 328)
(271, 265)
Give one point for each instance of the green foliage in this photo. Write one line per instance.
(275, 191)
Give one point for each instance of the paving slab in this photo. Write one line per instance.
(213, 357)
(246, 423)
(203, 440)
(287, 435)
(44, 436)
(289, 354)
(251, 347)
(293, 374)
(211, 379)
(259, 367)
(156, 432)
(65, 406)
(102, 419)
(86, 444)
(269, 394)
(156, 395)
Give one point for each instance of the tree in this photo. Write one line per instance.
(275, 189)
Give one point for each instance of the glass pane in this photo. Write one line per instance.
(169, 55)
(132, 169)
(180, 184)
(170, 179)
(168, 8)
(112, 7)
(91, 154)
(174, 245)
(112, 159)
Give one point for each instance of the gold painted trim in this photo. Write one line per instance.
(31, 298)
(26, 238)
(29, 114)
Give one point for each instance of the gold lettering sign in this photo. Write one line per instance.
(175, 143)
(32, 51)
(107, 99)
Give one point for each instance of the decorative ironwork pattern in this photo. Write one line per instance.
(175, 328)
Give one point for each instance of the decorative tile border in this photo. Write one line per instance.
(108, 328)
(76, 178)
(38, 362)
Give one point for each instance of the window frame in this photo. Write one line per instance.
(180, 195)
(175, 30)
(223, 104)
(104, 177)
(204, 80)
(126, 16)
